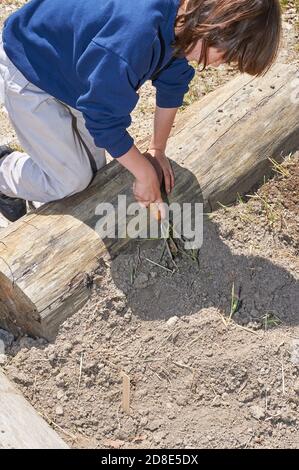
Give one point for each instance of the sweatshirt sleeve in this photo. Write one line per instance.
(172, 82)
(107, 98)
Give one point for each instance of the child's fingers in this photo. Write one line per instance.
(168, 177)
(167, 180)
(171, 177)
(137, 196)
(142, 202)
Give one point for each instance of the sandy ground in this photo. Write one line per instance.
(211, 349)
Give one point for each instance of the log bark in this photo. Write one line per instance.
(20, 425)
(219, 147)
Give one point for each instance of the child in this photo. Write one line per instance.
(69, 75)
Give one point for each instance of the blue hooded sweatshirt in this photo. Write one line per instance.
(95, 54)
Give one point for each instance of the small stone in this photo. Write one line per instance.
(143, 421)
(67, 347)
(209, 353)
(52, 357)
(60, 382)
(127, 316)
(253, 325)
(59, 410)
(121, 435)
(60, 394)
(172, 321)
(88, 381)
(257, 412)
(153, 425)
(90, 366)
(148, 338)
(248, 397)
(171, 415)
(216, 402)
(77, 340)
(182, 401)
(142, 392)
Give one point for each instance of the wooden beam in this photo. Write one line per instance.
(219, 147)
(21, 427)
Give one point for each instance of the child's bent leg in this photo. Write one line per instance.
(55, 164)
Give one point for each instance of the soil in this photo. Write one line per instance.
(210, 343)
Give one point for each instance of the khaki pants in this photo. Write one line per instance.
(57, 162)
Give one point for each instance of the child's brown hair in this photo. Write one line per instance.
(248, 32)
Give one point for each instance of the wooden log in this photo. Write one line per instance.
(21, 427)
(219, 147)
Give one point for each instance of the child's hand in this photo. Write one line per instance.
(166, 168)
(146, 187)
(147, 193)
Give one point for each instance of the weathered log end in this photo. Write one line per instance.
(17, 311)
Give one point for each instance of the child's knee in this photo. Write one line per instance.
(74, 183)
